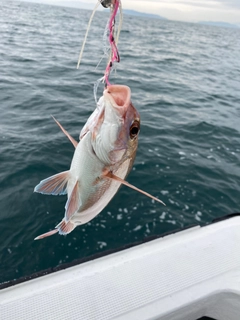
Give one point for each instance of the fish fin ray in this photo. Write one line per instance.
(74, 142)
(65, 227)
(47, 234)
(110, 175)
(54, 185)
(62, 228)
(74, 202)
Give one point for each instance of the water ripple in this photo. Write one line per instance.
(185, 83)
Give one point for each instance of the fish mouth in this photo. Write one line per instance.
(119, 96)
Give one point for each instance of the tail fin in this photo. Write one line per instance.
(47, 234)
(65, 227)
(62, 228)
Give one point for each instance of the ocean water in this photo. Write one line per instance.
(185, 82)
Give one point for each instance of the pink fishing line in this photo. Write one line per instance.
(114, 51)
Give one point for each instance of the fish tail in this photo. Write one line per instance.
(47, 234)
(62, 228)
(65, 227)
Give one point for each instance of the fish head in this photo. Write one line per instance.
(116, 129)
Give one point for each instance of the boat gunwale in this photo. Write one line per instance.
(80, 261)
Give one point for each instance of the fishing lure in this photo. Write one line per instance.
(112, 36)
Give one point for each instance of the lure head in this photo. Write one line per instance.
(107, 3)
(115, 126)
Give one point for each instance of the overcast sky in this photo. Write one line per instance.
(184, 10)
(190, 10)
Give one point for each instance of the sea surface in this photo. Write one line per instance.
(185, 82)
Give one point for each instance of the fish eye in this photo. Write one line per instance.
(134, 129)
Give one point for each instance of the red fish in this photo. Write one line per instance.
(102, 159)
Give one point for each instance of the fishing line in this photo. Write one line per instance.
(111, 38)
(86, 34)
(120, 22)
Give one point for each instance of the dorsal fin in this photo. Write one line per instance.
(74, 142)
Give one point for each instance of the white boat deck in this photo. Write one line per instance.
(184, 276)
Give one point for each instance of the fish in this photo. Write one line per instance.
(102, 160)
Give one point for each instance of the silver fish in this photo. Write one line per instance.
(102, 159)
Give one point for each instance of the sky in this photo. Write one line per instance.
(182, 10)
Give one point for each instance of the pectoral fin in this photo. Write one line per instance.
(74, 142)
(110, 175)
(73, 203)
(55, 185)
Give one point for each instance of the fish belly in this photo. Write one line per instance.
(85, 168)
(97, 200)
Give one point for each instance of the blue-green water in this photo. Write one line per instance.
(185, 81)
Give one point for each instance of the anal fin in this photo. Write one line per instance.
(112, 176)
